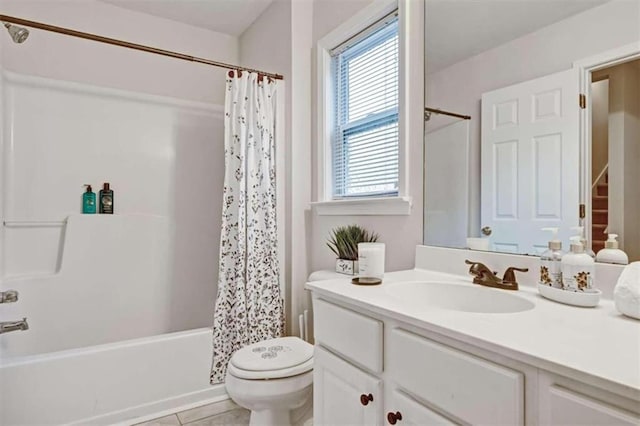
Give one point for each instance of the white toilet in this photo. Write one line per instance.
(271, 378)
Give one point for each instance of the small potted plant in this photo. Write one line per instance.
(344, 243)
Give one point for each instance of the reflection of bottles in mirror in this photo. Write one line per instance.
(611, 253)
(583, 240)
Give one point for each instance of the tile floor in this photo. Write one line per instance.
(223, 413)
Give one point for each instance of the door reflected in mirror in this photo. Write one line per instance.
(521, 162)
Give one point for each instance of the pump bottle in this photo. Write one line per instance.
(611, 253)
(89, 201)
(550, 261)
(578, 268)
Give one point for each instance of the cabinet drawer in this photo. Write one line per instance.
(567, 407)
(353, 335)
(414, 413)
(469, 388)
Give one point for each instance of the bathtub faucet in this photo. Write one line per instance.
(7, 326)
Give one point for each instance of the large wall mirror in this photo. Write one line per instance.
(510, 145)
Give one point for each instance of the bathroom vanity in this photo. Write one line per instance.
(429, 347)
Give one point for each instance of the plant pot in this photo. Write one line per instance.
(347, 267)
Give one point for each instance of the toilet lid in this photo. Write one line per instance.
(274, 354)
(296, 370)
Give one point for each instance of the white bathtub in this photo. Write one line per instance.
(112, 383)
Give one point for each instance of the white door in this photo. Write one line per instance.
(530, 162)
(344, 394)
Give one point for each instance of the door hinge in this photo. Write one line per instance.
(582, 101)
(583, 211)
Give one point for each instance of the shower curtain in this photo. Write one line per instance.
(249, 306)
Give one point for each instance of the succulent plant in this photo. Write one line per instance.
(344, 241)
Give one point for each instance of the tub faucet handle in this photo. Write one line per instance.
(9, 296)
(8, 326)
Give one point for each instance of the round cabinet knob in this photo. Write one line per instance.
(486, 230)
(394, 418)
(365, 399)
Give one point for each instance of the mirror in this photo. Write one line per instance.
(503, 154)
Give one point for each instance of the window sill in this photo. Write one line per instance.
(387, 206)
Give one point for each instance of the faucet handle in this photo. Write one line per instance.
(479, 269)
(510, 275)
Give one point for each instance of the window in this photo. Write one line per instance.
(364, 146)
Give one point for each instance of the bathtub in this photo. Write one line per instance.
(112, 383)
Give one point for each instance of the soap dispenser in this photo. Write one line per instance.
(611, 253)
(550, 261)
(583, 240)
(578, 268)
(89, 201)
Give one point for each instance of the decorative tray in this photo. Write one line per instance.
(587, 299)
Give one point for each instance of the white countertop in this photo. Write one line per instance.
(597, 345)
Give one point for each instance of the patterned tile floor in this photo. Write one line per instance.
(224, 413)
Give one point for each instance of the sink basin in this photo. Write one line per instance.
(459, 297)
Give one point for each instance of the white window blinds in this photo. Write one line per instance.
(365, 140)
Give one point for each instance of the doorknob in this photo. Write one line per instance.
(486, 231)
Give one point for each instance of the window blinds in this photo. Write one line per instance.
(365, 140)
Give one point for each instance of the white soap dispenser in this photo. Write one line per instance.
(550, 261)
(583, 240)
(578, 268)
(611, 253)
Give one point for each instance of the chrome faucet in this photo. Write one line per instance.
(485, 276)
(8, 326)
(9, 296)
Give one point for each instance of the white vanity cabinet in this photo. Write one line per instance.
(371, 369)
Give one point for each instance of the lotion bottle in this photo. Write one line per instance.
(550, 261)
(578, 268)
(611, 253)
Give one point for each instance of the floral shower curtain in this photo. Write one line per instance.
(249, 306)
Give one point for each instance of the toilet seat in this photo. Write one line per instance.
(272, 359)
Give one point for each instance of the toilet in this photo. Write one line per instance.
(271, 378)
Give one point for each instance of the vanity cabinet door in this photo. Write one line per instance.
(561, 406)
(403, 410)
(344, 394)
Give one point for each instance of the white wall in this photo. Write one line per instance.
(600, 127)
(551, 49)
(400, 233)
(67, 58)
(98, 118)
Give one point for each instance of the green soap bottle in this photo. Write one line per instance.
(89, 201)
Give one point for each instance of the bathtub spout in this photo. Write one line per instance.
(6, 327)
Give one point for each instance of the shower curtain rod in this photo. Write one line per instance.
(428, 111)
(134, 46)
